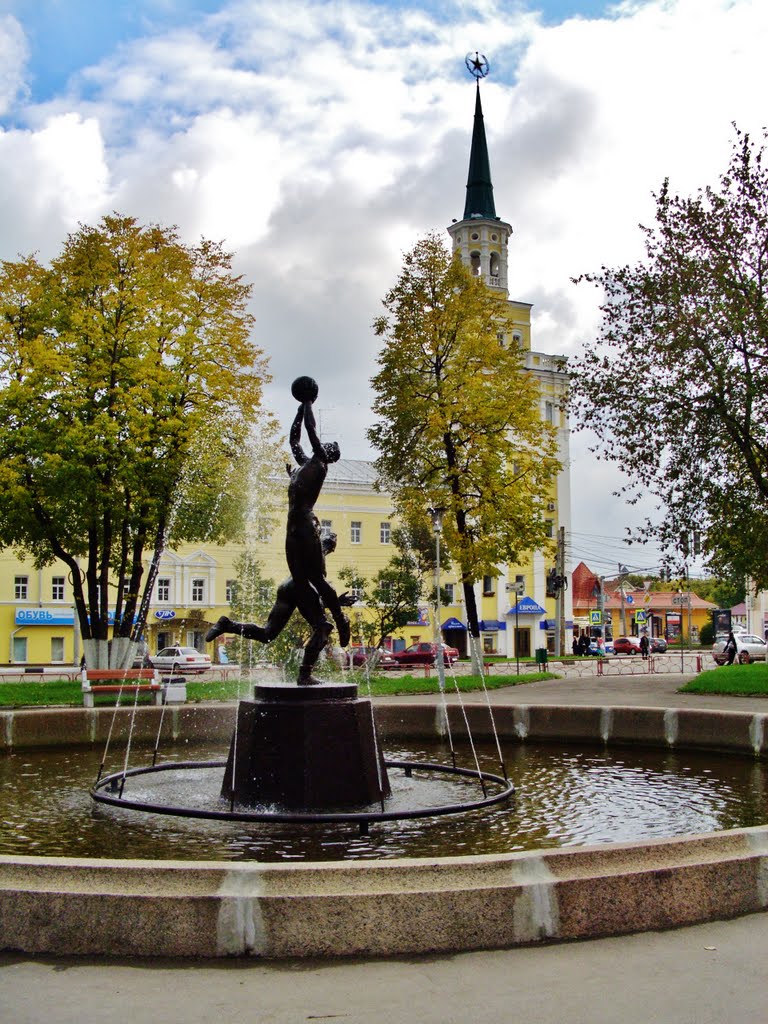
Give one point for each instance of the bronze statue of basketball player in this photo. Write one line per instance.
(304, 552)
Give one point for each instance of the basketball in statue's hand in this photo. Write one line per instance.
(304, 389)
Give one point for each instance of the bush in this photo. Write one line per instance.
(707, 634)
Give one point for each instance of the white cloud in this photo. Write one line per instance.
(13, 58)
(50, 179)
(320, 140)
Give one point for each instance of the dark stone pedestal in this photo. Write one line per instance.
(305, 747)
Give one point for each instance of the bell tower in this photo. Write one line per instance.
(480, 236)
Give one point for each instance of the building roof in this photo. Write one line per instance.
(585, 589)
(583, 586)
(352, 471)
(479, 202)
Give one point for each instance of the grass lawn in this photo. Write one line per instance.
(731, 680)
(66, 693)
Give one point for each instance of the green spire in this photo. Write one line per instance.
(479, 188)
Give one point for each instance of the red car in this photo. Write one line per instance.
(375, 657)
(424, 654)
(626, 645)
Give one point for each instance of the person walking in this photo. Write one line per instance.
(730, 648)
(644, 646)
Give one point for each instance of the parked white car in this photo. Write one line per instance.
(748, 648)
(179, 660)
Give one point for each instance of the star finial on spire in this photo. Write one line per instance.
(477, 65)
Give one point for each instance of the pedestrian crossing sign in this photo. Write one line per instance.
(595, 618)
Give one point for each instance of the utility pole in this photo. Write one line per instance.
(601, 606)
(560, 596)
(622, 578)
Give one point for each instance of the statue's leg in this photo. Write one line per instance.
(282, 610)
(311, 607)
(285, 602)
(249, 630)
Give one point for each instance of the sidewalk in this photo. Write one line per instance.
(708, 974)
(606, 691)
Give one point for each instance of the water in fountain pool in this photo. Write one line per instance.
(565, 796)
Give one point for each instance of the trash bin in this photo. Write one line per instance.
(541, 656)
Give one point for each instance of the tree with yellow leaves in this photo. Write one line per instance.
(458, 419)
(128, 387)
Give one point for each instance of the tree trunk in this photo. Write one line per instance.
(154, 567)
(473, 627)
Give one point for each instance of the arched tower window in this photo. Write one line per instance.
(495, 264)
(474, 262)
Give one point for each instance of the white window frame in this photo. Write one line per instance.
(21, 588)
(163, 589)
(58, 584)
(385, 532)
(197, 594)
(58, 641)
(326, 528)
(356, 531)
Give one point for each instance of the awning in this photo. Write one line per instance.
(491, 625)
(453, 623)
(526, 606)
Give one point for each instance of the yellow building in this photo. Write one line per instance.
(194, 584)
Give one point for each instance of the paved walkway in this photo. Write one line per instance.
(609, 691)
(709, 974)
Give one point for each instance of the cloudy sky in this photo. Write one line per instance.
(321, 140)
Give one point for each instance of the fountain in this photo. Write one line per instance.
(199, 908)
(186, 907)
(307, 752)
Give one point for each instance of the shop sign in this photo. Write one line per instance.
(165, 614)
(45, 617)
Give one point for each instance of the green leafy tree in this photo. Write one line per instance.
(676, 388)
(458, 419)
(128, 389)
(391, 596)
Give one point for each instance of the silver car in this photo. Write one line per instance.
(179, 660)
(748, 648)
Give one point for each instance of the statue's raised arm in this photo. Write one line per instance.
(309, 422)
(294, 438)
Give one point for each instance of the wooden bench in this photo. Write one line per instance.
(127, 680)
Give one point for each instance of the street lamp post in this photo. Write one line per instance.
(437, 529)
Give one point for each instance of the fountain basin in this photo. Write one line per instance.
(446, 904)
